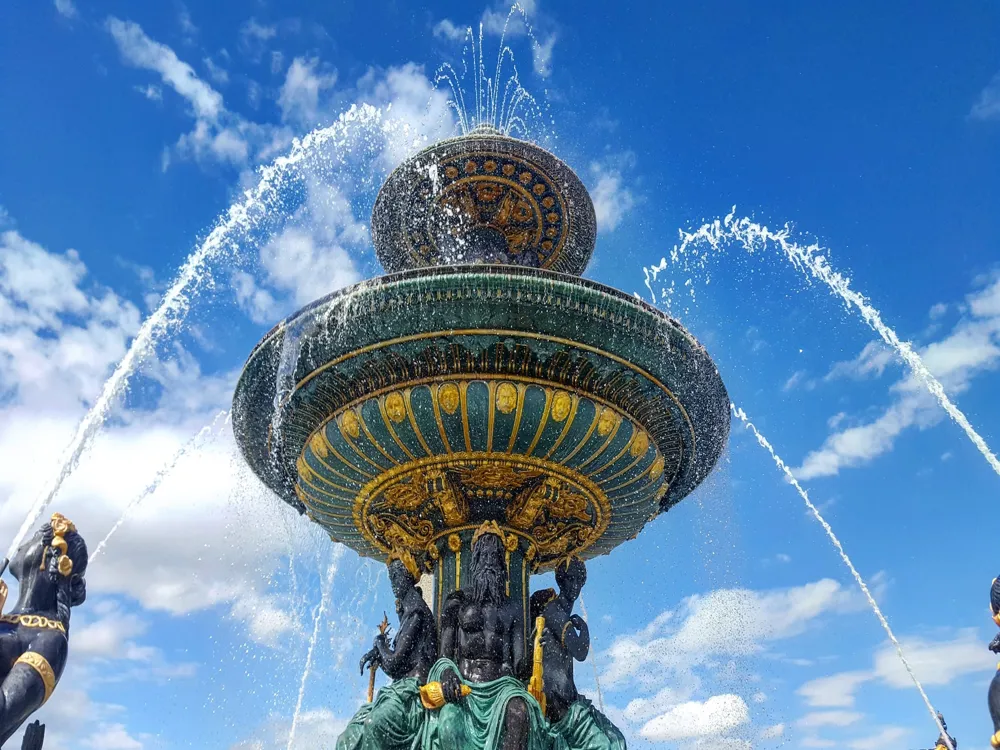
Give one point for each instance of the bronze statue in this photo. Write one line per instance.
(482, 645)
(566, 638)
(994, 694)
(392, 720)
(944, 739)
(34, 636)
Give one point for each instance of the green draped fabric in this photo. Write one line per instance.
(391, 722)
(476, 723)
(396, 720)
(585, 728)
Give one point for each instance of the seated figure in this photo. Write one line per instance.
(482, 649)
(566, 637)
(34, 636)
(994, 694)
(396, 715)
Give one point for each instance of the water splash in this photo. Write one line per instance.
(241, 217)
(508, 106)
(593, 662)
(811, 260)
(762, 441)
(324, 601)
(193, 444)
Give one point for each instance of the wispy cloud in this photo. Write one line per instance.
(987, 107)
(67, 9)
(969, 349)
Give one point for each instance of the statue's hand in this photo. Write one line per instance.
(34, 735)
(53, 564)
(370, 659)
(451, 686)
(578, 622)
(995, 645)
(547, 639)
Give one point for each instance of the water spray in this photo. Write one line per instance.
(762, 441)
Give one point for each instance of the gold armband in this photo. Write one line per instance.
(41, 665)
(562, 636)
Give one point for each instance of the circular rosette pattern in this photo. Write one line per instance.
(421, 405)
(484, 197)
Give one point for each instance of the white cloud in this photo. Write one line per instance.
(188, 29)
(818, 719)
(987, 107)
(151, 92)
(933, 662)
(445, 29)
(885, 737)
(612, 198)
(872, 361)
(218, 134)
(218, 74)
(67, 9)
(969, 349)
(139, 50)
(541, 56)
(717, 715)
(316, 728)
(112, 737)
(937, 310)
(254, 37)
(835, 691)
(299, 97)
(416, 111)
(773, 732)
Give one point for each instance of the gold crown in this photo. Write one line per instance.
(405, 557)
(61, 525)
(489, 527)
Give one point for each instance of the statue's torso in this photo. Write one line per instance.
(560, 688)
(483, 632)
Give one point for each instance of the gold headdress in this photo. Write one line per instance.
(406, 557)
(489, 527)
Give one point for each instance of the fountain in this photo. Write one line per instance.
(478, 416)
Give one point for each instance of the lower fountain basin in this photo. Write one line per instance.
(405, 409)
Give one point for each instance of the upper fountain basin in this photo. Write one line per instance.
(484, 198)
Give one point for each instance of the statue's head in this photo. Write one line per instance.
(571, 575)
(489, 565)
(401, 577)
(995, 600)
(34, 555)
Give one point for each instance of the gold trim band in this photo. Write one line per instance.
(41, 665)
(34, 621)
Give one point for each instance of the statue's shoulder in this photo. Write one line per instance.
(539, 601)
(453, 604)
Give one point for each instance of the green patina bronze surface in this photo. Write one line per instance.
(431, 401)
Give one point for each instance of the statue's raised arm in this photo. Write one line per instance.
(34, 636)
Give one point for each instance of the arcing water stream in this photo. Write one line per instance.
(191, 445)
(241, 217)
(812, 260)
(741, 415)
(324, 601)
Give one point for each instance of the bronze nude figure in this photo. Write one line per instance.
(34, 635)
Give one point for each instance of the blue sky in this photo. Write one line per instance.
(730, 623)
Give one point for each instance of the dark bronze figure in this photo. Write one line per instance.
(414, 649)
(34, 636)
(391, 720)
(994, 693)
(566, 638)
(481, 633)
